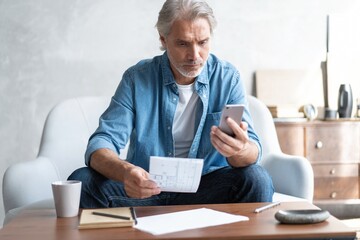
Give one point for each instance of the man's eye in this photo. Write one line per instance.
(203, 42)
(183, 44)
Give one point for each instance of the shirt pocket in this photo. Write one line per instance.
(205, 146)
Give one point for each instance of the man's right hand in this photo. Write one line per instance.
(138, 184)
(136, 180)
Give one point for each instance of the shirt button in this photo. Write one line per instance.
(168, 127)
(174, 99)
(169, 153)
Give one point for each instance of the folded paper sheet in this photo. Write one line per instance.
(185, 220)
(176, 174)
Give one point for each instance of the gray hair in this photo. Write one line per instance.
(173, 10)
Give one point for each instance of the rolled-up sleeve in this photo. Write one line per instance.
(116, 123)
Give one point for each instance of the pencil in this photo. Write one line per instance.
(260, 209)
(111, 215)
(133, 214)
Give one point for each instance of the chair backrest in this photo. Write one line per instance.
(67, 130)
(264, 126)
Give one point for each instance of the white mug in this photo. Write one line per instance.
(66, 197)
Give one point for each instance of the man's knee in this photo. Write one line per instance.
(92, 195)
(258, 183)
(258, 175)
(80, 174)
(86, 175)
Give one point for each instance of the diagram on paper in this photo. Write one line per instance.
(176, 174)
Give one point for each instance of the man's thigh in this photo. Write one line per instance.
(225, 185)
(230, 185)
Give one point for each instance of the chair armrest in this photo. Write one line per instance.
(292, 175)
(28, 182)
(43, 204)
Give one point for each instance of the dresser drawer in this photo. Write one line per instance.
(332, 143)
(336, 170)
(291, 139)
(336, 188)
(333, 149)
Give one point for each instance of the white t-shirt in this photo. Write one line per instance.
(184, 120)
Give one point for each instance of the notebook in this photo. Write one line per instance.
(107, 218)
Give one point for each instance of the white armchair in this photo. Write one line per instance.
(291, 175)
(67, 130)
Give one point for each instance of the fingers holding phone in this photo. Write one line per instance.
(231, 135)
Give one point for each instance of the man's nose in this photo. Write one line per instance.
(193, 53)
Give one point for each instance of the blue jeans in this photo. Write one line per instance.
(226, 185)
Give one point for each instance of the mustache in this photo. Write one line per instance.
(197, 62)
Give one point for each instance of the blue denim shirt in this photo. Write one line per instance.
(143, 107)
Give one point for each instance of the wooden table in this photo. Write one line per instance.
(43, 225)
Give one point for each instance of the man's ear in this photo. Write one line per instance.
(163, 41)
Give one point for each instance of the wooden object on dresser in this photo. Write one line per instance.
(333, 149)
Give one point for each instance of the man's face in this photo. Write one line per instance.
(187, 47)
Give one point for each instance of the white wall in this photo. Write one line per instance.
(52, 50)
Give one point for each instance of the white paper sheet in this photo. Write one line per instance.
(185, 220)
(176, 174)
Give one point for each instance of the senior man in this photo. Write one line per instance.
(170, 105)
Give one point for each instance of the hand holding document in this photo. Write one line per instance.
(176, 174)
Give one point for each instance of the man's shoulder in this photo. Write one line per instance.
(217, 67)
(215, 62)
(145, 70)
(146, 63)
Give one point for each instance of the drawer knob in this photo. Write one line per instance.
(319, 144)
(332, 171)
(333, 195)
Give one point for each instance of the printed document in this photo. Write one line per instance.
(176, 174)
(184, 220)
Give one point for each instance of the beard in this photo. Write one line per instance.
(184, 68)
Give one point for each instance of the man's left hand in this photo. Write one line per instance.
(238, 149)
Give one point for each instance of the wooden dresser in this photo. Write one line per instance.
(333, 149)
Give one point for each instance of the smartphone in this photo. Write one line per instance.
(235, 112)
